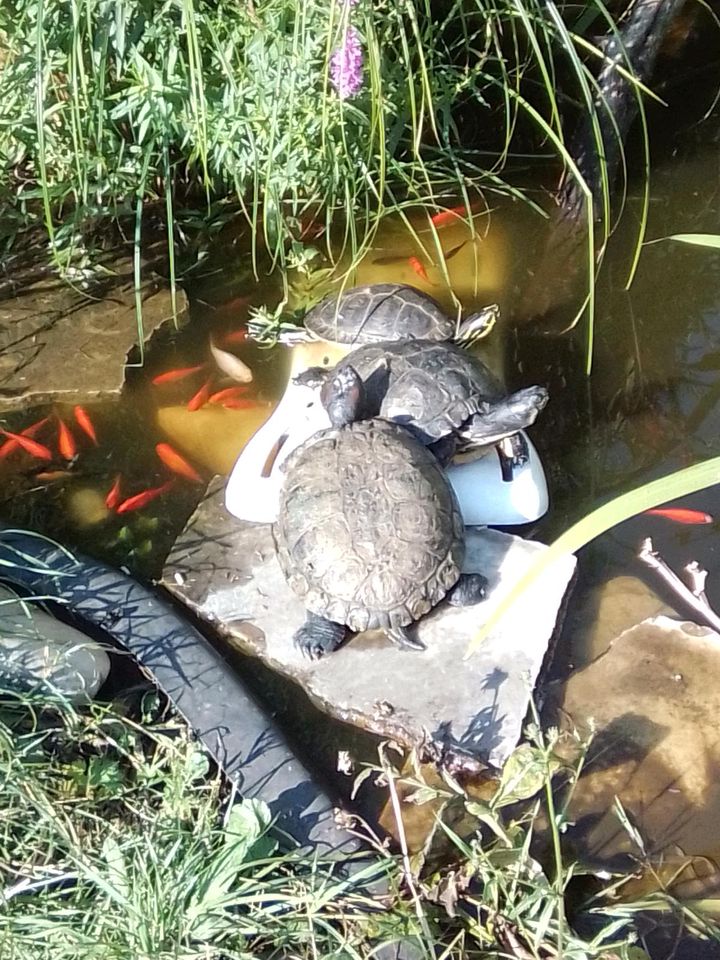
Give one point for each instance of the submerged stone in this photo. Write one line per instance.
(56, 344)
(654, 702)
(468, 710)
(38, 651)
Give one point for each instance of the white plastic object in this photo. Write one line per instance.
(254, 485)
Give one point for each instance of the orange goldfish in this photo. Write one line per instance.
(171, 376)
(66, 441)
(173, 461)
(85, 423)
(142, 499)
(11, 445)
(235, 336)
(444, 217)
(201, 397)
(242, 403)
(32, 447)
(113, 497)
(681, 515)
(419, 268)
(229, 393)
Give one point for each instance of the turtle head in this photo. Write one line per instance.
(313, 377)
(342, 395)
(477, 325)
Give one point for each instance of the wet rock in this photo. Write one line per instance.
(605, 611)
(56, 344)
(36, 650)
(654, 700)
(472, 709)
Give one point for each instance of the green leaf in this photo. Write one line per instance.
(484, 813)
(698, 239)
(525, 772)
(604, 518)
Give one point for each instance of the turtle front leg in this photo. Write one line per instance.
(470, 589)
(512, 452)
(318, 636)
(444, 449)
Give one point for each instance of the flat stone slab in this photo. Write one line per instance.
(57, 344)
(469, 710)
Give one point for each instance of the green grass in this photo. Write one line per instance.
(118, 841)
(131, 108)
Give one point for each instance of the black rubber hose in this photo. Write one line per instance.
(209, 694)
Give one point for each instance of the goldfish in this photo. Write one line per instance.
(35, 449)
(85, 423)
(242, 403)
(142, 499)
(229, 393)
(48, 476)
(681, 515)
(66, 441)
(443, 217)
(170, 376)
(113, 497)
(419, 268)
(173, 461)
(231, 365)
(236, 336)
(11, 445)
(200, 398)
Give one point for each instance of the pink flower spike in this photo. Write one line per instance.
(346, 65)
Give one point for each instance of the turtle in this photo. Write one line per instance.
(369, 533)
(448, 398)
(391, 311)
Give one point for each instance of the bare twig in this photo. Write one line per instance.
(407, 867)
(697, 577)
(698, 603)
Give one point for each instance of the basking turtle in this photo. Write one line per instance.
(370, 534)
(441, 393)
(391, 311)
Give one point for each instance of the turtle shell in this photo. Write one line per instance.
(379, 311)
(370, 532)
(432, 388)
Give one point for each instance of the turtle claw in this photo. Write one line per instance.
(513, 452)
(318, 637)
(404, 639)
(471, 588)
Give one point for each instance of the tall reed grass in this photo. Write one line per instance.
(118, 109)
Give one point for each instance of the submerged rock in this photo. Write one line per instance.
(653, 699)
(56, 344)
(36, 650)
(468, 710)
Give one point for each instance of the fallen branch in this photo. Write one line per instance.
(693, 596)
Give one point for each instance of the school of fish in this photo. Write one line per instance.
(68, 435)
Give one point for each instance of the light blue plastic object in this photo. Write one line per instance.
(253, 489)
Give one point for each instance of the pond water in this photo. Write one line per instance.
(650, 407)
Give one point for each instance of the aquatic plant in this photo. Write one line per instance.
(680, 483)
(190, 111)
